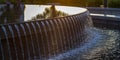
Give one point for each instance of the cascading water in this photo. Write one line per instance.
(8, 44)
(65, 38)
(2, 51)
(26, 41)
(21, 44)
(13, 41)
(33, 48)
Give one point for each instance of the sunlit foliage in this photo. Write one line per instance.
(49, 14)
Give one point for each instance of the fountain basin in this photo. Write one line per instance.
(44, 38)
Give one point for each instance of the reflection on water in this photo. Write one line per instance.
(102, 45)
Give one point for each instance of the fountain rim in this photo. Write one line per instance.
(56, 18)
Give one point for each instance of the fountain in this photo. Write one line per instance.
(48, 38)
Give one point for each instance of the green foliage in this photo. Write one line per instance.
(48, 13)
(114, 3)
(95, 3)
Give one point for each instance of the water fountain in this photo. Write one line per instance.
(49, 38)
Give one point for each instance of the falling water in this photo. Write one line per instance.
(40, 31)
(74, 32)
(8, 44)
(2, 51)
(59, 35)
(64, 38)
(21, 44)
(69, 33)
(46, 38)
(37, 39)
(93, 48)
(10, 28)
(31, 38)
(62, 35)
(66, 34)
(50, 39)
(55, 38)
(26, 41)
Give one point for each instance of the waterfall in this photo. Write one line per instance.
(43, 39)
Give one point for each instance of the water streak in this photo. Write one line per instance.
(49, 28)
(59, 34)
(31, 38)
(63, 33)
(40, 31)
(55, 38)
(10, 28)
(26, 40)
(73, 32)
(2, 51)
(8, 44)
(70, 31)
(21, 44)
(37, 38)
(46, 35)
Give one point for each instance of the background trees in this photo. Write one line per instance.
(114, 3)
(50, 12)
(83, 3)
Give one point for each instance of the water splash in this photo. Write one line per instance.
(88, 50)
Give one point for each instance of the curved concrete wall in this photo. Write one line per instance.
(44, 38)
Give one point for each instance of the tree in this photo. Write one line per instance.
(49, 14)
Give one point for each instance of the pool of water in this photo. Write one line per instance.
(102, 45)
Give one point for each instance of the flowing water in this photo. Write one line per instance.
(8, 44)
(26, 41)
(101, 42)
(59, 39)
(13, 41)
(21, 44)
(33, 48)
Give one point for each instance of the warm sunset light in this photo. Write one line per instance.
(60, 30)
